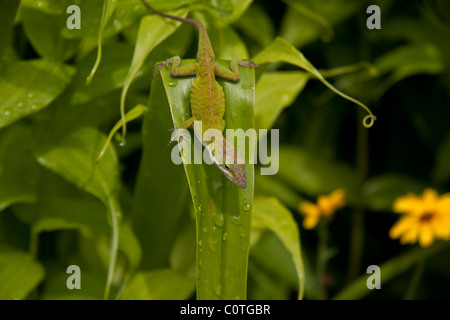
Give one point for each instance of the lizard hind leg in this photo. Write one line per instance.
(232, 74)
(180, 133)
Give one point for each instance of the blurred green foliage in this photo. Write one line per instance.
(127, 220)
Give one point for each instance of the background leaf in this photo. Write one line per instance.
(19, 275)
(164, 284)
(28, 86)
(271, 214)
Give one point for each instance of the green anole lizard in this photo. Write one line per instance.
(207, 99)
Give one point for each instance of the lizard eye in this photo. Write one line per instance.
(226, 166)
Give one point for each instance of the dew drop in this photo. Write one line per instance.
(212, 246)
(122, 143)
(30, 95)
(246, 207)
(218, 289)
(172, 83)
(236, 220)
(205, 230)
(218, 219)
(117, 24)
(225, 236)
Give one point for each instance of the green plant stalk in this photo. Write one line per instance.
(222, 209)
(322, 255)
(114, 212)
(357, 232)
(415, 280)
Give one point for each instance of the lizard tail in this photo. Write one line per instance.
(193, 22)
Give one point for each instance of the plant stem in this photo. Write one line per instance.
(322, 256)
(415, 280)
(114, 212)
(362, 155)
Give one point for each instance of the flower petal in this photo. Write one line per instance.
(310, 221)
(402, 226)
(441, 226)
(430, 195)
(329, 204)
(308, 208)
(337, 198)
(407, 204)
(410, 235)
(426, 236)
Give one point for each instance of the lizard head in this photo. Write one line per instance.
(232, 167)
(238, 174)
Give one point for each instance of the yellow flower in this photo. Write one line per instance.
(325, 207)
(425, 219)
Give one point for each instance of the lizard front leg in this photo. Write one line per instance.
(177, 70)
(232, 73)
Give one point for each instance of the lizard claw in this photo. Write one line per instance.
(178, 136)
(161, 65)
(248, 64)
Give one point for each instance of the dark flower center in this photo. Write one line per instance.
(427, 216)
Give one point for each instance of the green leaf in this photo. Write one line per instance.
(406, 61)
(182, 255)
(282, 51)
(389, 270)
(7, 15)
(108, 9)
(152, 31)
(155, 185)
(232, 45)
(163, 284)
(271, 186)
(256, 23)
(73, 158)
(129, 245)
(131, 115)
(92, 12)
(19, 275)
(271, 254)
(269, 213)
(274, 92)
(381, 191)
(312, 175)
(92, 286)
(43, 30)
(61, 213)
(48, 6)
(17, 178)
(239, 7)
(307, 21)
(109, 76)
(29, 86)
(222, 209)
